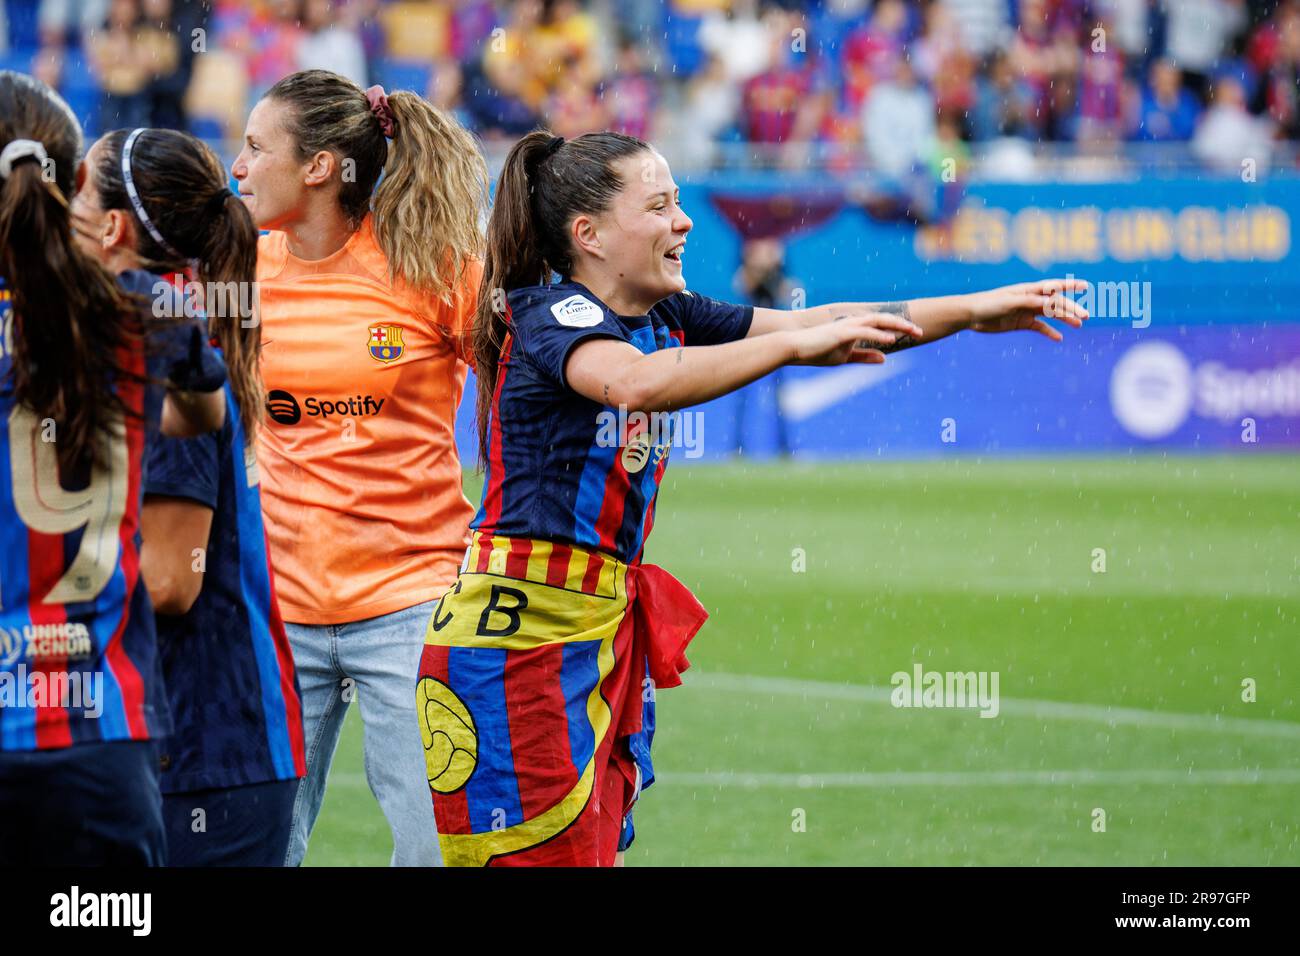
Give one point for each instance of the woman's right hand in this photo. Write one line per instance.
(850, 338)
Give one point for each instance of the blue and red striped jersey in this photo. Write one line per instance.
(560, 466)
(78, 651)
(231, 684)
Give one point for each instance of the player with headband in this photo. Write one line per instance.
(159, 199)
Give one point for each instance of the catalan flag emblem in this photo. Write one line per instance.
(386, 343)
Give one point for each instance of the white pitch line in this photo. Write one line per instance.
(947, 778)
(1017, 706)
(1021, 707)
(980, 778)
(1033, 585)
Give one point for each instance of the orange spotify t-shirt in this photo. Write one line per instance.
(361, 482)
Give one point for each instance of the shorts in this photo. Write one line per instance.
(230, 826)
(91, 804)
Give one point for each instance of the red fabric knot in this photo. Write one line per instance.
(667, 617)
(378, 100)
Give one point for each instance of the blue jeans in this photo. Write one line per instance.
(377, 661)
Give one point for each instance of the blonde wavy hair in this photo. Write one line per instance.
(431, 204)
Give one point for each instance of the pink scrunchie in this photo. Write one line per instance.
(378, 100)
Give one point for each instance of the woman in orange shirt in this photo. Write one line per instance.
(366, 342)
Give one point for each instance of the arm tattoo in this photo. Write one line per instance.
(607, 393)
(680, 353)
(893, 308)
(902, 310)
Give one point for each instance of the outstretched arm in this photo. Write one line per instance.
(1007, 309)
(616, 373)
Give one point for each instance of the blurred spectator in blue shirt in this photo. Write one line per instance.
(491, 89)
(1168, 111)
(1004, 104)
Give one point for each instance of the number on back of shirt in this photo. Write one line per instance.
(45, 506)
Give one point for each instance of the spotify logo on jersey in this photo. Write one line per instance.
(283, 407)
(285, 410)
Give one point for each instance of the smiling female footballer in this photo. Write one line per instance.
(536, 687)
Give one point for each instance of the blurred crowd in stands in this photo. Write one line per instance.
(898, 84)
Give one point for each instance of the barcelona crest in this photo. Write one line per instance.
(386, 343)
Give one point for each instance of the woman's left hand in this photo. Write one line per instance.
(1021, 307)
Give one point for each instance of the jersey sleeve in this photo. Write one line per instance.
(547, 328)
(184, 468)
(176, 347)
(708, 321)
(182, 357)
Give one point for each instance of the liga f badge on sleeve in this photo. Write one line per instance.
(386, 343)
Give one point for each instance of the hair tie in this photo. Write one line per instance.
(18, 150)
(216, 203)
(378, 101)
(555, 143)
(129, 181)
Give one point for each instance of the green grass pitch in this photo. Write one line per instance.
(1121, 692)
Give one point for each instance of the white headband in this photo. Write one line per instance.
(136, 204)
(17, 150)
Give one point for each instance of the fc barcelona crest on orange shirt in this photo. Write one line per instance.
(386, 343)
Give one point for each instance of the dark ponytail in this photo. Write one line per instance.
(182, 189)
(228, 271)
(70, 322)
(544, 184)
